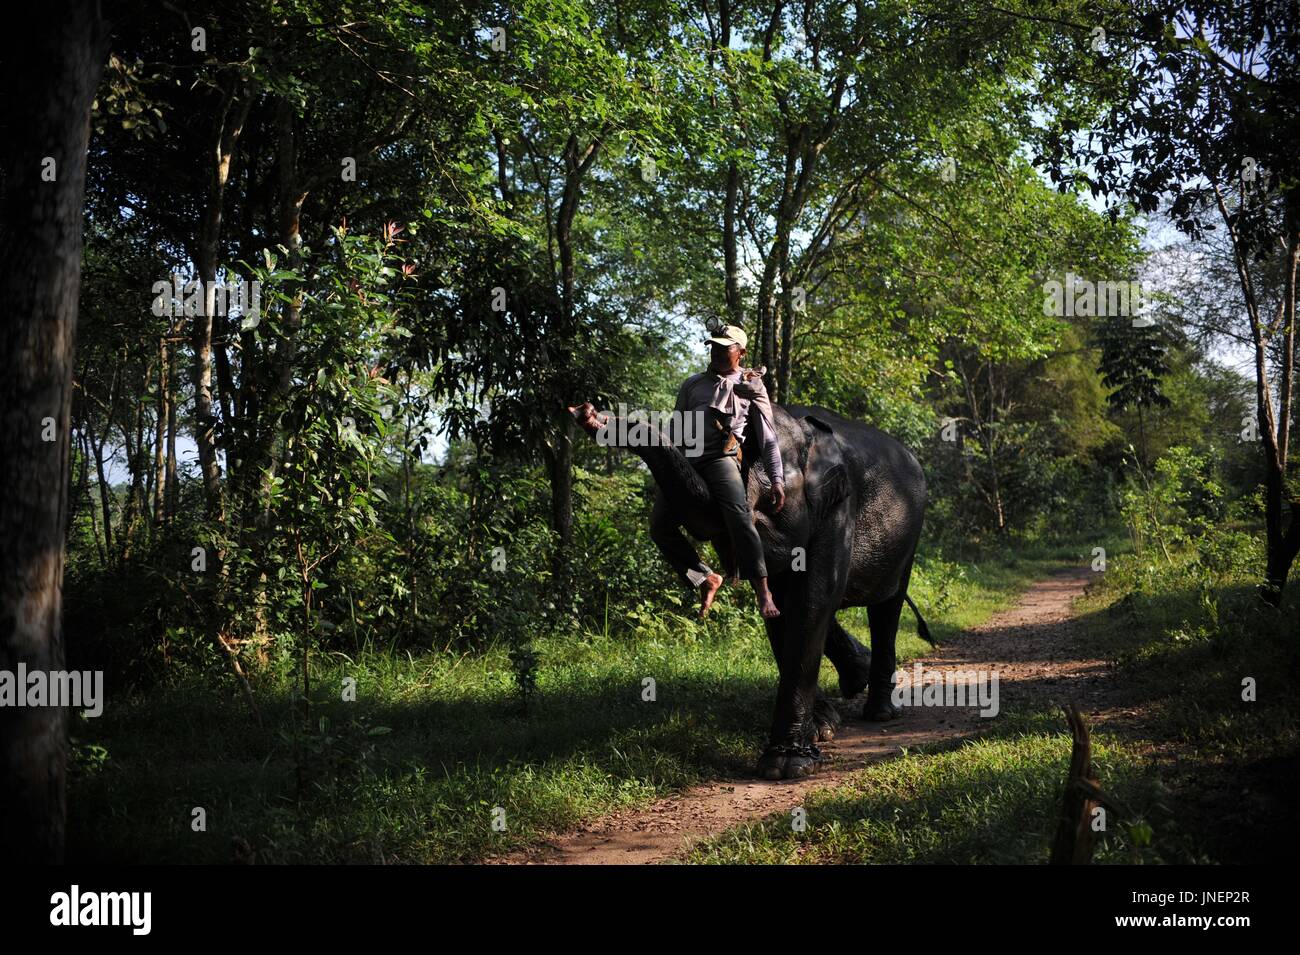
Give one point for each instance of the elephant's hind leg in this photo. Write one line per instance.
(883, 618)
(851, 659)
(826, 719)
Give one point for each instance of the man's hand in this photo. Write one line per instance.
(778, 497)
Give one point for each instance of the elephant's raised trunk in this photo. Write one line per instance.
(683, 487)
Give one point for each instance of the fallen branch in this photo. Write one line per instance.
(233, 656)
(1075, 836)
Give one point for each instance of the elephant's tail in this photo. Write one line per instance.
(921, 629)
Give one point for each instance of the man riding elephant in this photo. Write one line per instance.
(728, 398)
(847, 505)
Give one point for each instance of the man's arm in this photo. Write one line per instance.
(751, 386)
(771, 451)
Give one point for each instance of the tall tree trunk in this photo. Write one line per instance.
(802, 143)
(577, 161)
(1284, 541)
(160, 436)
(413, 609)
(735, 306)
(50, 70)
(731, 197)
(765, 325)
(205, 422)
(233, 113)
(787, 331)
(262, 460)
(171, 493)
(105, 493)
(264, 448)
(90, 501)
(135, 461)
(560, 466)
(990, 431)
(777, 266)
(1281, 532)
(984, 434)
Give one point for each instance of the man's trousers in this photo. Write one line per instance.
(722, 474)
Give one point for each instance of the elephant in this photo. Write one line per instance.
(847, 537)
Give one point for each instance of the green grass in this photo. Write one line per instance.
(412, 771)
(449, 744)
(1185, 634)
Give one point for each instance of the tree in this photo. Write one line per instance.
(806, 150)
(573, 81)
(1132, 363)
(1196, 104)
(50, 74)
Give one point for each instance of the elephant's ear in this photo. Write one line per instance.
(826, 475)
(832, 488)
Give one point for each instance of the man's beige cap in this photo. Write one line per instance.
(729, 335)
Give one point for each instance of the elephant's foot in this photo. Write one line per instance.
(826, 720)
(789, 762)
(855, 675)
(879, 707)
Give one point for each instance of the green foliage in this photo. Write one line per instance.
(523, 665)
(1191, 628)
(322, 496)
(1132, 363)
(1180, 505)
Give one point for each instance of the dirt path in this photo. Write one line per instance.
(1030, 647)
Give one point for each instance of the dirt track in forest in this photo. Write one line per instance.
(1032, 649)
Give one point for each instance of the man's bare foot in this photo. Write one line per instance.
(766, 605)
(709, 590)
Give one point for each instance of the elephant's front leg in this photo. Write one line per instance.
(812, 598)
(826, 717)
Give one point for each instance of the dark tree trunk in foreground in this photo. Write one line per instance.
(49, 69)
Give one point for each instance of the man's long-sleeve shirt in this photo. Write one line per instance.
(698, 393)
